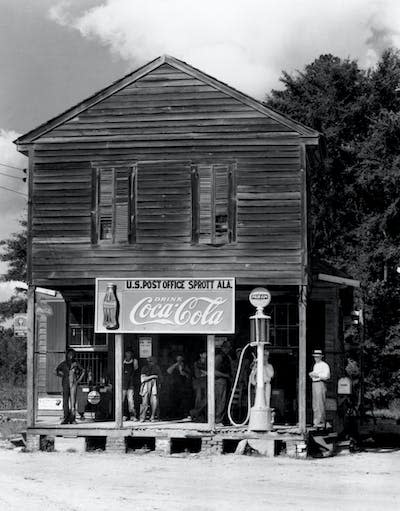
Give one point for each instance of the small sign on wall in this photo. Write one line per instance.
(145, 347)
(344, 386)
(20, 325)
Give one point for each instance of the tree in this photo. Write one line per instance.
(355, 204)
(14, 253)
(13, 350)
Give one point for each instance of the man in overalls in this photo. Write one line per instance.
(71, 373)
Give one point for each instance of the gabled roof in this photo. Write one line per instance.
(130, 78)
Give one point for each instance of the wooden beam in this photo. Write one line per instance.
(119, 348)
(304, 215)
(30, 360)
(302, 359)
(338, 280)
(211, 380)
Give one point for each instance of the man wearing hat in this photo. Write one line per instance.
(319, 375)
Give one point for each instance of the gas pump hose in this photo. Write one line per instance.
(234, 390)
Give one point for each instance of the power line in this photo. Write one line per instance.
(11, 167)
(14, 191)
(13, 177)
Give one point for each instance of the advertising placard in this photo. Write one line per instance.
(20, 325)
(165, 305)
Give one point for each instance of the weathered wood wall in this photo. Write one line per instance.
(169, 115)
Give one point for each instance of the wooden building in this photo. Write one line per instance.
(169, 172)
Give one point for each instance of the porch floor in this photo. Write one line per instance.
(177, 428)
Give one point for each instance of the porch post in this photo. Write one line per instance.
(302, 304)
(30, 359)
(118, 353)
(211, 380)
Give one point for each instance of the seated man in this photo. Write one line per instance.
(150, 381)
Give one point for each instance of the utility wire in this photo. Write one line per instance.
(14, 191)
(12, 177)
(11, 167)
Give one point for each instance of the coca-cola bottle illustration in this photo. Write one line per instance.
(110, 308)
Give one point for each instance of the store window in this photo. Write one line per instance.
(284, 328)
(214, 204)
(81, 327)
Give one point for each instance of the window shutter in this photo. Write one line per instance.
(121, 204)
(205, 173)
(115, 204)
(221, 189)
(105, 202)
(232, 203)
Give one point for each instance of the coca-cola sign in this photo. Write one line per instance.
(154, 305)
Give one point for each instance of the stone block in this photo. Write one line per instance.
(163, 446)
(117, 444)
(32, 442)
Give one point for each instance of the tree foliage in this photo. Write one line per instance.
(13, 350)
(355, 201)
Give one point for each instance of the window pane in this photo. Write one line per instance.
(100, 339)
(75, 315)
(281, 315)
(75, 336)
(293, 314)
(88, 314)
(105, 228)
(281, 337)
(293, 336)
(87, 336)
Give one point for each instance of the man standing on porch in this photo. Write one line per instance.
(71, 373)
(129, 371)
(319, 375)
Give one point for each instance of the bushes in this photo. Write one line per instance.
(12, 371)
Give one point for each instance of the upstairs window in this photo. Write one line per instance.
(115, 204)
(214, 203)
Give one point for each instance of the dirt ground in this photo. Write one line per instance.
(99, 481)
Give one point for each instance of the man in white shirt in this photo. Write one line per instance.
(319, 375)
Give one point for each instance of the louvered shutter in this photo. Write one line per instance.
(115, 204)
(221, 190)
(122, 194)
(105, 203)
(205, 181)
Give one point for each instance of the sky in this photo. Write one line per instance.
(54, 53)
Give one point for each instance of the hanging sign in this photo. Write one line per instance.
(20, 325)
(165, 305)
(260, 297)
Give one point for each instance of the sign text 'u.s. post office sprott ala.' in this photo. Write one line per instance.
(157, 305)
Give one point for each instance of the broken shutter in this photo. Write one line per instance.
(216, 202)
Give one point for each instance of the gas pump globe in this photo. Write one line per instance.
(260, 413)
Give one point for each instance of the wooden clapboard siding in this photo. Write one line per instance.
(165, 124)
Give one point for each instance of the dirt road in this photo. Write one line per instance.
(99, 481)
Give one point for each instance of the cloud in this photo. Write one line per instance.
(243, 42)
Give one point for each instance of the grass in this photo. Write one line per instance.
(12, 397)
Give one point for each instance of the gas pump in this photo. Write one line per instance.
(259, 415)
